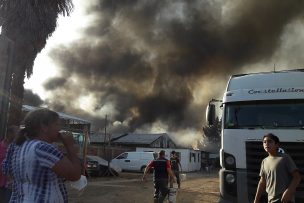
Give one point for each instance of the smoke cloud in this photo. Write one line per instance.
(31, 98)
(154, 65)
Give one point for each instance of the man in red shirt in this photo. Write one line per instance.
(162, 171)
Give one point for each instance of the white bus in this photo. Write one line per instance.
(253, 105)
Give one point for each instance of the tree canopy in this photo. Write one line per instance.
(28, 23)
(213, 132)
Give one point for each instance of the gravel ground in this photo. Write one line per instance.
(199, 187)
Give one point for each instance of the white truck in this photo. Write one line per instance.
(253, 105)
(134, 161)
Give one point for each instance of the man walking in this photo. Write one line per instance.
(279, 175)
(175, 166)
(162, 170)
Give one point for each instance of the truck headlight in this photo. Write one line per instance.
(228, 161)
(230, 178)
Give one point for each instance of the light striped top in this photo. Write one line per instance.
(30, 167)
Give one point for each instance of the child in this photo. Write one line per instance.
(176, 167)
(279, 174)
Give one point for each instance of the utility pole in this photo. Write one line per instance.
(109, 171)
(105, 137)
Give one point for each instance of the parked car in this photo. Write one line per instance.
(134, 161)
(97, 166)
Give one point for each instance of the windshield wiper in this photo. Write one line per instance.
(254, 126)
(231, 126)
(276, 125)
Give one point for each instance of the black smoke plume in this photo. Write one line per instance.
(31, 98)
(146, 63)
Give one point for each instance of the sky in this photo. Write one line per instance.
(152, 66)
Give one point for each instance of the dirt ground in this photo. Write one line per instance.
(199, 187)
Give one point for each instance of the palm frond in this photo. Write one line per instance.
(32, 22)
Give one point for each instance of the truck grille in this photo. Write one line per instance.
(254, 156)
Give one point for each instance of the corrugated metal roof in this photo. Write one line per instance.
(100, 137)
(131, 138)
(61, 115)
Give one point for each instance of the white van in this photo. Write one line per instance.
(134, 161)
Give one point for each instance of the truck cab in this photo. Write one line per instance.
(252, 106)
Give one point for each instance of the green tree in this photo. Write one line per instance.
(28, 23)
(213, 132)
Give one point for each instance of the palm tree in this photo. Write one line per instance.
(28, 23)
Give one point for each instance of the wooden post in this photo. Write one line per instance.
(105, 139)
(85, 148)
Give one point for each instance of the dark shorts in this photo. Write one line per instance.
(5, 194)
(161, 189)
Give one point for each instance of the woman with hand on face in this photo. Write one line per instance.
(37, 168)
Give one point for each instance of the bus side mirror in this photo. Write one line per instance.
(210, 114)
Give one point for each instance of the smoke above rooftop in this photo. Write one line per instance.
(153, 65)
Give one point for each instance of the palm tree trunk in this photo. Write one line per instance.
(28, 23)
(17, 90)
(6, 56)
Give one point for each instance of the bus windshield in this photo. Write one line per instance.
(264, 114)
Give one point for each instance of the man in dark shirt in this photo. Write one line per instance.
(175, 166)
(162, 170)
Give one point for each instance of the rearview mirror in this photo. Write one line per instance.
(210, 114)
